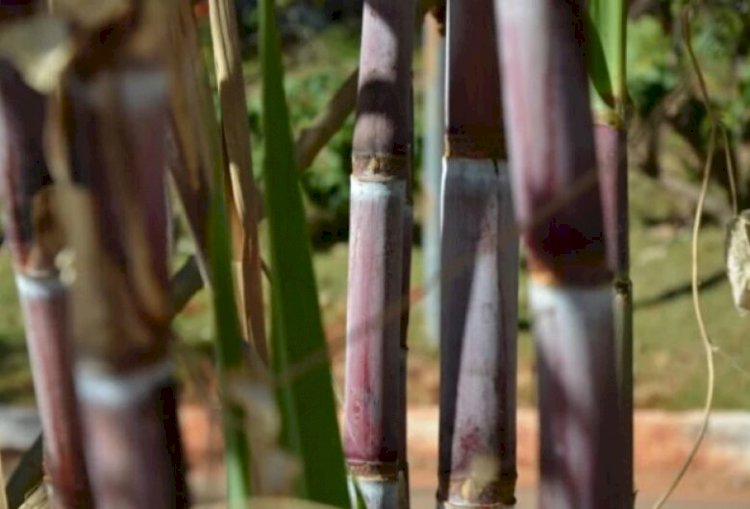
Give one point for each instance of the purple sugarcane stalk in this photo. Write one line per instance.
(109, 160)
(479, 294)
(34, 239)
(558, 205)
(611, 150)
(373, 441)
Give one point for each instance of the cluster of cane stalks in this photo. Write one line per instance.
(107, 105)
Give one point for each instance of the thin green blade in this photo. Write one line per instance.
(228, 347)
(301, 363)
(606, 41)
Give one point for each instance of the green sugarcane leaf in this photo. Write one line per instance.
(228, 346)
(606, 33)
(301, 364)
(229, 343)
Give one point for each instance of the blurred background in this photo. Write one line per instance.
(668, 146)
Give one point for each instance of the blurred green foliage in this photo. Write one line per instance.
(657, 64)
(651, 64)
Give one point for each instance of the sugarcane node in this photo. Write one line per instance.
(610, 117)
(591, 271)
(476, 143)
(383, 472)
(482, 484)
(623, 285)
(467, 492)
(380, 167)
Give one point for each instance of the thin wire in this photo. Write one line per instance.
(708, 345)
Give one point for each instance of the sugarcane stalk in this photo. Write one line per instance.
(107, 154)
(243, 195)
(434, 111)
(309, 143)
(381, 163)
(479, 258)
(558, 205)
(34, 239)
(607, 43)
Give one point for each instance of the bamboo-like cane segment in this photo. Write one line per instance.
(557, 199)
(107, 150)
(243, 196)
(35, 239)
(381, 168)
(480, 275)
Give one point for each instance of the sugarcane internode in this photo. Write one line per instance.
(479, 259)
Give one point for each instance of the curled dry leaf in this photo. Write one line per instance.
(738, 260)
(40, 47)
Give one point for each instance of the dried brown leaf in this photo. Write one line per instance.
(738, 260)
(40, 47)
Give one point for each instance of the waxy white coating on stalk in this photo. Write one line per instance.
(33, 287)
(478, 331)
(374, 492)
(143, 89)
(373, 318)
(578, 415)
(121, 390)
